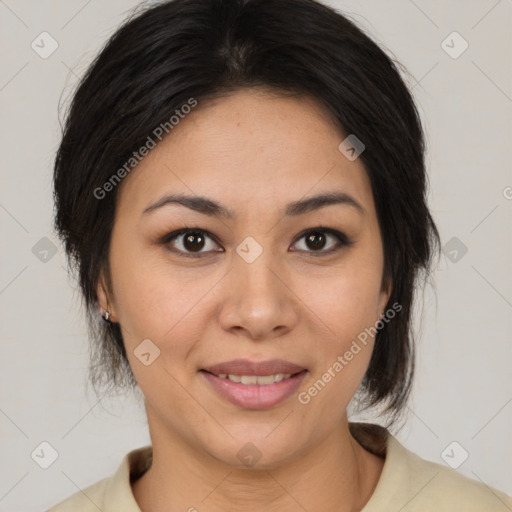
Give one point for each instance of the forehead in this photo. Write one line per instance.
(250, 148)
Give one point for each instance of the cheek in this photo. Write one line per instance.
(172, 306)
(347, 300)
(345, 312)
(344, 346)
(350, 315)
(141, 291)
(158, 301)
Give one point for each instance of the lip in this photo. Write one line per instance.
(247, 367)
(255, 396)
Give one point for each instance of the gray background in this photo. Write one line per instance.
(463, 389)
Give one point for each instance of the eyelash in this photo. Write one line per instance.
(342, 240)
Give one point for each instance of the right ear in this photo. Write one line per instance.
(106, 304)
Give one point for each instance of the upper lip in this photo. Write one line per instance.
(247, 367)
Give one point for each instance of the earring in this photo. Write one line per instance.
(106, 317)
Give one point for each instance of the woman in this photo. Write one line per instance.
(241, 188)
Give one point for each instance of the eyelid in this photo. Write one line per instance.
(342, 240)
(169, 237)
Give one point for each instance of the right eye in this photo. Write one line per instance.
(191, 240)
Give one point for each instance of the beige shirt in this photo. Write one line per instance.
(408, 483)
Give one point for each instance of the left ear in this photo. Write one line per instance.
(385, 294)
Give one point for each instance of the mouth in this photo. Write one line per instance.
(252, 368)
(251, 380)
(255, 391)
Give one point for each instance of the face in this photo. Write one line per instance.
(269, 281)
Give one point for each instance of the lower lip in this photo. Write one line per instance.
(255, 396)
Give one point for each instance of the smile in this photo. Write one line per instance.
(250, 380)
(254, 391)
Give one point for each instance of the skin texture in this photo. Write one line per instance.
(253, 152)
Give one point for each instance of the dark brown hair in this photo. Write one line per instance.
(182, 49)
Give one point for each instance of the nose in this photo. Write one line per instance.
(258, 299)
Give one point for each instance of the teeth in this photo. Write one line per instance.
(255, 379)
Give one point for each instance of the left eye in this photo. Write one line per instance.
(316, 238)
(193, 241)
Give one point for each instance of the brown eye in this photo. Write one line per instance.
(190, 242)
(316, 240)
(193, 241)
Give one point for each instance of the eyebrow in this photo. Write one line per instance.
(209, 207)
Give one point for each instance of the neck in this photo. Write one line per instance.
(337, 474)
